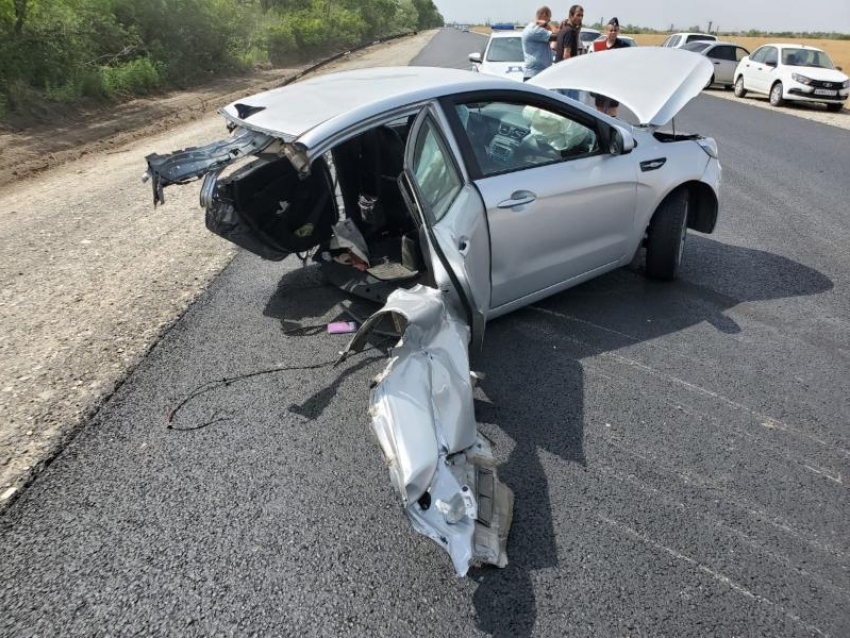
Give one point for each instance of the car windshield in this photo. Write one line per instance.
(806, 57)
(589, 36)
(696, 47)
(505, 50)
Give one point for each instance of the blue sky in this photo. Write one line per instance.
(733, 15)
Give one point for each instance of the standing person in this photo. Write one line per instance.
(535, 44)
(605, 104)
(567, 44)
(568, 36)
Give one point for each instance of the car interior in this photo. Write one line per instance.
(351, 213)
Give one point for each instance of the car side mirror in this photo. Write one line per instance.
(840, 68)
(772, 65)
(622, 142)
(475, 58)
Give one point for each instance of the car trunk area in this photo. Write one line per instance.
(348, 214)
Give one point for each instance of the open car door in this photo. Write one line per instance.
(454, 216)
(421, 406)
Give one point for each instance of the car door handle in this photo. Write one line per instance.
(519, 198)
(653, 165)
(717, 63)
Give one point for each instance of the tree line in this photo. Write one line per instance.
(67, 50)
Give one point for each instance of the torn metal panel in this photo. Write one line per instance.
(423, 417)
(184, 166)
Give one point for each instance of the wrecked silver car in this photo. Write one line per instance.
(452, 198)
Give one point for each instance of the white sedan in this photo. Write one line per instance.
(793, 73)
(503, 57)
(456, 197)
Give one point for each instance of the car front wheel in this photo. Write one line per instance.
(740, 91)
(776, 95)
(665, 244)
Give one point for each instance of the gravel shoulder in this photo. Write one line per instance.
(91, 275)
(813, 112)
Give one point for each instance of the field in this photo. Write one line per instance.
(838, 50)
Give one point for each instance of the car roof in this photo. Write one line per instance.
(710, 35)
(506, 34)
(317, 107)
(788, 45)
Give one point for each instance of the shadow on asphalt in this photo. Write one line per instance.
(538, 400)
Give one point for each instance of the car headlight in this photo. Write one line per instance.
(846, 84)
(709, 145)
(802, 79)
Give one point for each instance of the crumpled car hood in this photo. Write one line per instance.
(422, 414)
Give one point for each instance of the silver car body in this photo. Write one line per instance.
(725, 57)
(501, 241)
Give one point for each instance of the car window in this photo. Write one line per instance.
(696, 37)
(505, 50)
(436, 175)
(508, 137)
(771, 56)
(667, 41)
(806, 57)
(758, 56)
(740, 53)
(696, 47)
(675, 42)
(722, 53)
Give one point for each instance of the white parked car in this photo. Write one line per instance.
(503, 56)
(587, 37)
(457, 197)
(792, 72)
(678, 40)
(725, 57)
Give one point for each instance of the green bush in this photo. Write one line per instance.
(138, 77)
(66, 50)
(280, 43)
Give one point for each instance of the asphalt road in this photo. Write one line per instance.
(679, 452)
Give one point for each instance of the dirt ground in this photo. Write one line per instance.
(90, 274)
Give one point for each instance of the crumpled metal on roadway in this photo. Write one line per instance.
(423, 416)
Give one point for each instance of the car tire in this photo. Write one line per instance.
(834, 108)
(710, 82)
(776, 95)
(665, 243)
(740, 91)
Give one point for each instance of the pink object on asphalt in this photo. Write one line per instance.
(342, 327)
